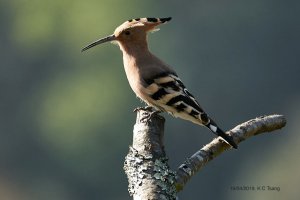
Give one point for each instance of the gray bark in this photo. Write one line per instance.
(146, 164)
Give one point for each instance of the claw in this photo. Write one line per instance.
(151, 111)
(146, 108)
(154, 113)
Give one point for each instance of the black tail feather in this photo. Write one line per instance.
(216, 130)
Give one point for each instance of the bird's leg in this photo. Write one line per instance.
(154, 112)
(151, 111)
(146, 108)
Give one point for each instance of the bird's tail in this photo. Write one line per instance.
(216, 130)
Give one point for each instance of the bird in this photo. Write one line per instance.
(152, 80)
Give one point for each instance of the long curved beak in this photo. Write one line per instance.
(100, 41)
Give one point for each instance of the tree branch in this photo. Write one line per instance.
(240, 133)
(146, 164)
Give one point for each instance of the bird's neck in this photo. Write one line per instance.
(136, 54)
(135, 49)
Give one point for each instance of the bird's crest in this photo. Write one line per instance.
(150, 20)
(149, 23)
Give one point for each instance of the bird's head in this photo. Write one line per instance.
(133, 31)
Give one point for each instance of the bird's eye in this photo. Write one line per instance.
(127, 32)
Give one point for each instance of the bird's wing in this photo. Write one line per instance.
(166, 90)
(168, 93)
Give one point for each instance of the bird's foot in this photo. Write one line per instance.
(148, 115)
(146, 108)
(155, 112)
(151, 111)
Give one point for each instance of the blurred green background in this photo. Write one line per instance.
(66, 117)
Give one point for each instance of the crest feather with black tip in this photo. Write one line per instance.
(151, 19)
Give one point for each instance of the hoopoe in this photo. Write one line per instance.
(152, 80)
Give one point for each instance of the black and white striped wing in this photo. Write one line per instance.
(168, 93)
